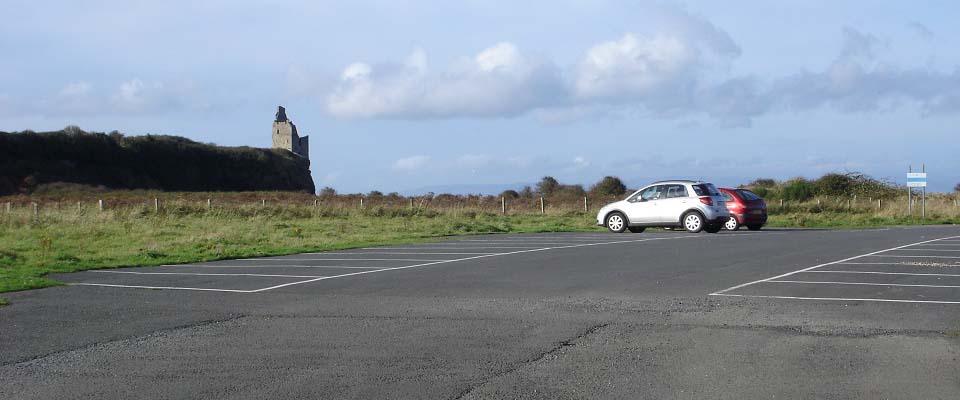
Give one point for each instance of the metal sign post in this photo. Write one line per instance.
(918, 179)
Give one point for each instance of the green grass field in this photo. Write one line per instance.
(66, 240)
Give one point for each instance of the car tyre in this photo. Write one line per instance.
(713, 228)
(692, 221)
(754, 227)
(732, 224)
(637, 229)
(616, 222)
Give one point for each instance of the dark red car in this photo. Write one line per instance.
(746, 209)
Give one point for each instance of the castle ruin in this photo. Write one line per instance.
(285, 135)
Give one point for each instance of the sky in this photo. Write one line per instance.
(478, 96)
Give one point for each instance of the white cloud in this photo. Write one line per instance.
(497, 81)
(136, 96)
(579, 162)
(474, 161)
(77, 97)
(632, 66)
(411, 163)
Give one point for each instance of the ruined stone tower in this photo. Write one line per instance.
(285, 135)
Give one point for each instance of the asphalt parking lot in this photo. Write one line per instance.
(775, 313)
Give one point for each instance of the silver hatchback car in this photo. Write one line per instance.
(691, 205)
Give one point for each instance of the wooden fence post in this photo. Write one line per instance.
(542, 209)
(879, 204)
(263, 202)
(36, 210)
(79, 206)
(584, 203)
(209, 204)
(361, 203)
(100, 204)
(316, 202)
(503, 204)
(156, 204)
(781, 203)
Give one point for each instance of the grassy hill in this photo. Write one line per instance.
(170, 163)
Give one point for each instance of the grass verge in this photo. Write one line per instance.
(835, 220)
(34, 247)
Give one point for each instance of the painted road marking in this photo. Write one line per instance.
(868, 284)
(927, 250)
(269, 266)
(838, 299)
(895, 256)
(335, 259)
(881, 273)
(204, 274)
(159, 287)
(397, 253)
(466, 259)
(777, 278)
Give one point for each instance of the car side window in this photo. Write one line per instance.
(727, 196)
(674, 191)
(652, 193)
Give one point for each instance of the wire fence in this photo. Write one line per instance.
(307, 205)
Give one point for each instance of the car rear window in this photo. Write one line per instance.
(748, 195)
(706, 189)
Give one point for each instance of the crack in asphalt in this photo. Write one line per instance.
(562, 344)
(192, 325)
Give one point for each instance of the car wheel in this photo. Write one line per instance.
(616, 222)
(713, 228)
(754, 227)
(637, 229)
(732, 224)
(693, 222)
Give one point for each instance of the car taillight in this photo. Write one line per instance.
(707, 200)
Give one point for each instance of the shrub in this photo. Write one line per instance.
(762, 183)
(570, 191)
(547, 186)
(510, 194)
(608, 186)
(834, 185)
(328, 191)
(957, 188)
(797, 189)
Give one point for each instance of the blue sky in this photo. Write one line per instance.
(403, 95)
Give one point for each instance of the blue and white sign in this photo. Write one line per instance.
(917, 179)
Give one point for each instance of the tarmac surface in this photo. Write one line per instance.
(771, 314)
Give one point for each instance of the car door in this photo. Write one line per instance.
(675, 201)
(642, 206)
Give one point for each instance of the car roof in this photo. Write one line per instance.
(676, 181)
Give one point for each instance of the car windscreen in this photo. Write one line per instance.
(706, 189)
(748, 195)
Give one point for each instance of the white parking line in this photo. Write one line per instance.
(880, 273)
(336, 259)
(867, 284)
(449, 248)
(928, 250)
(206, 274)
(845, 260)
(467, 259)
(837, 299)
(895, 256)
(394, 253)
(268, 266)
(906, 263)
(158, 287)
